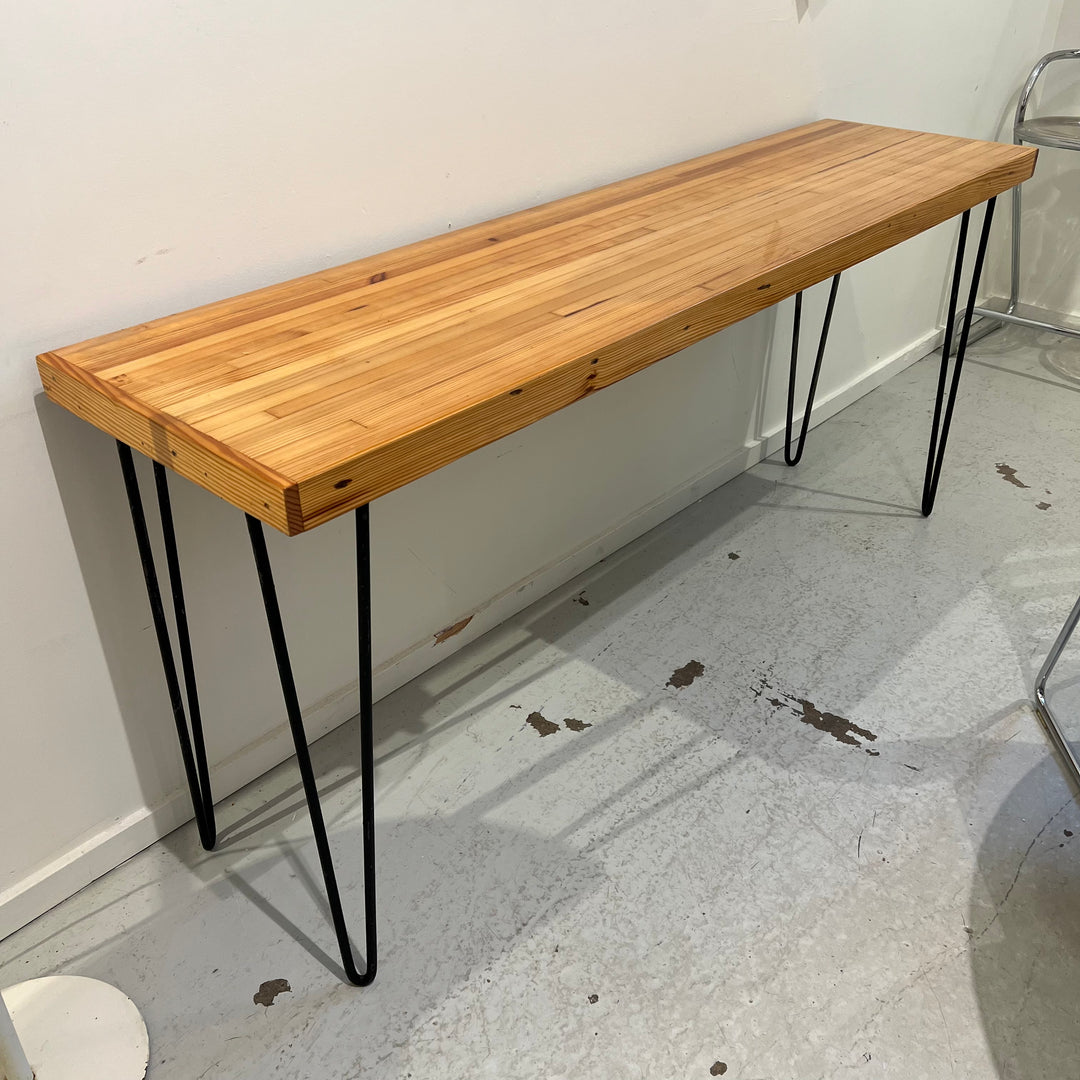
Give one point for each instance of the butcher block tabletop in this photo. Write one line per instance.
(304, 400)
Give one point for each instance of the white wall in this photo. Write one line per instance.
(158, 156)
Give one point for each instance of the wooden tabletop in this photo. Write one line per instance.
(304, 400)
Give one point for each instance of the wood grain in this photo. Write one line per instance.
(307, 399)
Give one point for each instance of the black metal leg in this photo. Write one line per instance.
(789, 457)
(946, 348)
(939, 431)
(303, 758)
(192, 748)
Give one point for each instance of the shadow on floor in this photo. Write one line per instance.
(1025, 929)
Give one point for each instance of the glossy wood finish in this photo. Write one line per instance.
(304, 400)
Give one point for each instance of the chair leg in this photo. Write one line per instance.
(939, 432)
(192, 746)
(793, 457)
(1014, 254)
(303, 757)
(1042, 708)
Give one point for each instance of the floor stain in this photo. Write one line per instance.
(270, 990)
(450, 631)
(733, 555)
(575, 725)
(718, 1068)
(1008, 474)
(1043, 505)
(685, 675)
(541, 725)
(839, 727)
(1068, 832)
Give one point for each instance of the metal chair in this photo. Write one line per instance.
(1057, 132)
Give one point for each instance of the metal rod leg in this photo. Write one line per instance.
(303, 757)
(187, 663)
(946, 346)
(1014, 254)
(790, 457)
(1041, 706)
(367, 743)
(194, 756)
(939, 434)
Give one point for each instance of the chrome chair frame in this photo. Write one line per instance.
(1038, 131)
(1042, 708)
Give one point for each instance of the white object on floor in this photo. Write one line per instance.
(13, 1063)
(71, 1028)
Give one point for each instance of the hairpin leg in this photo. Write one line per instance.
(192, 747)
(789, 457)
(939, 432)
(303, 757)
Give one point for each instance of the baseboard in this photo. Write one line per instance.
(109, 847)
(839, 399)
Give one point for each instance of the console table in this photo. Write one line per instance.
(307, 400)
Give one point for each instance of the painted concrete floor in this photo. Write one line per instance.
(761, 795)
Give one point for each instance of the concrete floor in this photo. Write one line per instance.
(761, 795)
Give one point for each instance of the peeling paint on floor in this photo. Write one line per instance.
(1008, 474)
(269, 990)
(685, 675)
(541, 725)
(839, 727)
